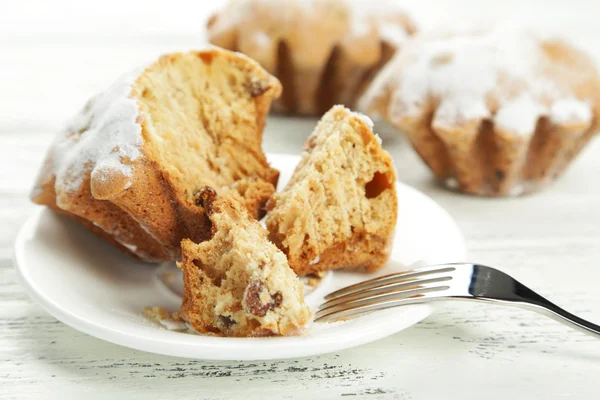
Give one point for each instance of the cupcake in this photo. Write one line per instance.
(324, 52)
(498, 112)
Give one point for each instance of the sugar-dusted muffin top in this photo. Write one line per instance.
(339, 209)
(325, 52)
(238, 283)
(492, 112)
(258, 25)
(505, 74)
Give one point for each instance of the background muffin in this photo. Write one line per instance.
(493, 112)
(325, 52)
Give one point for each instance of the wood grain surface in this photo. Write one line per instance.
(55, 54)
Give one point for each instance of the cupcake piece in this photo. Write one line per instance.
(238, 283)
(128, 166)
(324, 52)
(495, 113)
(340, 207)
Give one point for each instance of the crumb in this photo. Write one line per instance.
(320, 274)
(313, 282)
(156, 314)
(170, 321)
(315, 278)
(176, 317)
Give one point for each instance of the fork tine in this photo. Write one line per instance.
(352, 311)
(389, 287)
(389, 278)
(414, 293)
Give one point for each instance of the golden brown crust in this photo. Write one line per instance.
(149, 213)
(360, 251)
(485, 160)
(191, 278)
(324, 53)
(107, 221)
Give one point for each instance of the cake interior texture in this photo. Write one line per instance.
(340, 207)
(238, 283)
(203, 122)
(130, 164)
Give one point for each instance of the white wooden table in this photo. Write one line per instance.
(55, 54)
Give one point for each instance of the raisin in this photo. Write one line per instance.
(205, 197)
(311, 143)
(226, 322)
(253, 304)
(257, 87)
(277, 300)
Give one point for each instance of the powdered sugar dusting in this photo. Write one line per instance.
(364, 16)
(367, 14)
(261, 39)
(519, 116)
(463, 73)
(103, 138)
(368, 121)
(392, 33)
(571, 110)
(451, 112)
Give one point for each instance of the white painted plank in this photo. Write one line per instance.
(54, 55)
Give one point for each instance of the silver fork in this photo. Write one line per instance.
(457, 281)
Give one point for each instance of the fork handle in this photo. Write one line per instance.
(535, 302)
(558, 314)
(512, 292)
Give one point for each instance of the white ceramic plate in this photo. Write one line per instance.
(88, 285)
